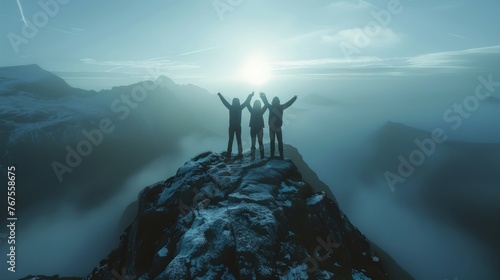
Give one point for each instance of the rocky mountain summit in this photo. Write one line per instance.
(239, 220)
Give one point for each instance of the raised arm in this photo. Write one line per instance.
(264, 99)
(290, 102)
(264, 108)
(224, 101)
(249, 108)
(247, 101)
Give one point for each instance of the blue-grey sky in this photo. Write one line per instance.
(97, 44)
(427, 53)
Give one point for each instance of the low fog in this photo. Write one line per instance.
(337, 140)
(363, 101)
(71, 243)
(334, 126)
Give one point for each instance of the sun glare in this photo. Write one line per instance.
(256, 70)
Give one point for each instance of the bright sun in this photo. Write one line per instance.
(256, 70)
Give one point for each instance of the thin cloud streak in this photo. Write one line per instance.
(22, 12)
(369, 4)
(166, 65)
(455, 35)
(426, 64)
(200, 50)
(61, 30)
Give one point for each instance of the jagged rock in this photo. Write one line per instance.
(239, 220)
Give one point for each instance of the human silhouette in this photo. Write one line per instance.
(276, 120)
(257, 126)
(235, 122)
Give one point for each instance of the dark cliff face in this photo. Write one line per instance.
(239, 220)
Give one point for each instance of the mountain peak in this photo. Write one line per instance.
(32, 79)
(28, 72)
(239, 220)
(165, 81)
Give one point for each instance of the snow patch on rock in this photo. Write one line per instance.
(316, 198)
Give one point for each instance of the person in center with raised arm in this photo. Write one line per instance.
(276, 121)
(235, 122)
(257, 126)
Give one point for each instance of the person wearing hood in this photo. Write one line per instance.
(235, 122)
(276, 121)
(257, 126)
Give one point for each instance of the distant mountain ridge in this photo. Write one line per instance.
(457, 184)
(52, 116)
(42, 120)
(33, 79)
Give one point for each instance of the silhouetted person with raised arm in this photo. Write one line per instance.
(257, 126)
(276, 120)
(235, 122)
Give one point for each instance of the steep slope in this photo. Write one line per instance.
(393, 269)
(308, 176)
(239, 220)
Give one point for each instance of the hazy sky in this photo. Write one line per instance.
(96, 44)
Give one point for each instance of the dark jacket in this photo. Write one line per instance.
(276, 112)
(257, 117)
(235, 111)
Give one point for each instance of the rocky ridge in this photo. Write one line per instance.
(239, 220)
